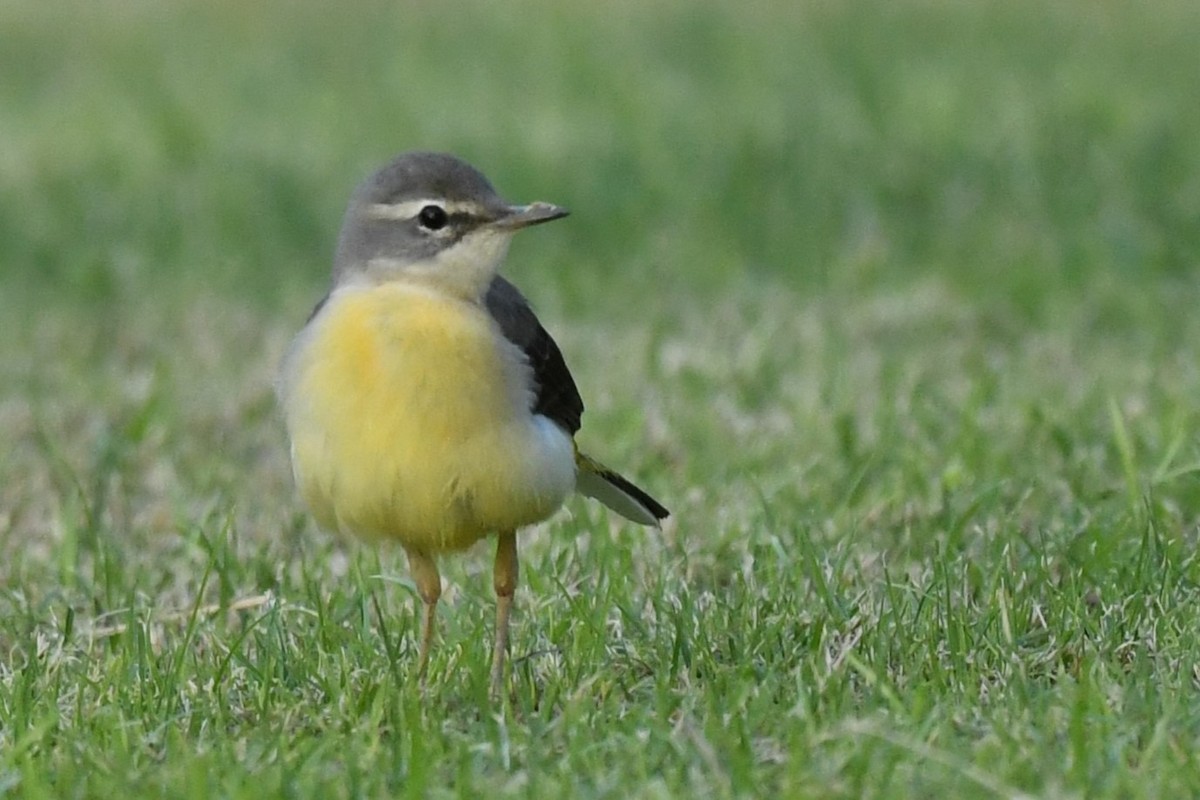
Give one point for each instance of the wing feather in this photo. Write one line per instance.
(556, 395)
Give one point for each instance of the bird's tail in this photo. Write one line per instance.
(599, 482)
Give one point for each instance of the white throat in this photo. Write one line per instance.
(465, 268)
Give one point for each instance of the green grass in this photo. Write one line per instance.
(892, 303)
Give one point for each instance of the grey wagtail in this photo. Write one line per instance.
(424, 401)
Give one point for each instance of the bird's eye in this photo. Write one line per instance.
(433, 218)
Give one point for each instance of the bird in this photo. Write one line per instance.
(425, 403)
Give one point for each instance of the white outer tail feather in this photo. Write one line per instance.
(591, 480)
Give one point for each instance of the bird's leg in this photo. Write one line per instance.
(505, 582)
(429, 585)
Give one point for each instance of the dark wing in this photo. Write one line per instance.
(317, 309)
(555, 394)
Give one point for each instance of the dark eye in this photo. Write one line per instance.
(433, 218)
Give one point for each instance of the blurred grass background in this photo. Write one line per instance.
(893, 303)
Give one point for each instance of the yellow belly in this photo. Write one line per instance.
(409, 418)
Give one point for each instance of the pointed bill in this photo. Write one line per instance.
(518, 217)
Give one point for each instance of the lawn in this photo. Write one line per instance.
(894, 304)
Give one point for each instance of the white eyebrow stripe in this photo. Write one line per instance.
(407, 209)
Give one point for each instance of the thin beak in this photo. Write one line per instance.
(517, 217)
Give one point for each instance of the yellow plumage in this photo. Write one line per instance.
(409, 417)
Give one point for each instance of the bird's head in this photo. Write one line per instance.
(430, 218)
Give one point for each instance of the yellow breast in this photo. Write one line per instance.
(409, 415)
